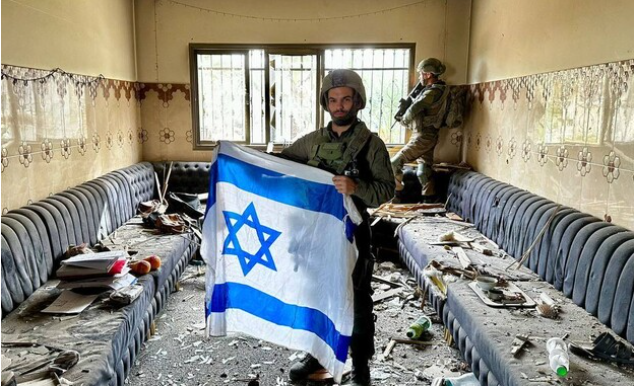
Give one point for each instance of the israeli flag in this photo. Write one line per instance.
(277, 240)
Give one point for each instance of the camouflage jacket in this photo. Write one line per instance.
(428, 108)
(375, 183)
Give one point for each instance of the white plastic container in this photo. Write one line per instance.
(468, 379)
(558, 356)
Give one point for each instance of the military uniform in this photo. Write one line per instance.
(375, 179)
(375, 186)
(425, 117)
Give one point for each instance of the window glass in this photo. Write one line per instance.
(221, 102)
(270, 94)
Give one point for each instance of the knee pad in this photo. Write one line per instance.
(423, 170)
(397, 165)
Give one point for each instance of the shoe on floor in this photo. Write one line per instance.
(360, 376)
(432, 199)
(397, 199)
(305, 367)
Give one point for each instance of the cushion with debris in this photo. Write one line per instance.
(99, 334)
(174, 249)
(493, 330)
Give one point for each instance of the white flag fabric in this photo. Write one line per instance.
(277, 240)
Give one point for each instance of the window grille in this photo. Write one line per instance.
(270, 94)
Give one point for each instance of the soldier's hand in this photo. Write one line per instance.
(344, 185)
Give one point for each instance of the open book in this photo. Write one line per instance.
(114, 282)
(92, 264)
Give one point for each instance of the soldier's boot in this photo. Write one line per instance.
(398, 197)
(305, 367)
(360, 373)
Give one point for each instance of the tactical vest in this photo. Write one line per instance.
(337, 156)
(435, 114)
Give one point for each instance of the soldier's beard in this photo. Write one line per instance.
(344, 120)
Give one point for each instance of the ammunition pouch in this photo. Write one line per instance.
(339, 157)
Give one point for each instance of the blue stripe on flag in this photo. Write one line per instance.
(286, 189)
(350, 228)
(213, 178)
(267, 307)
(276, 186)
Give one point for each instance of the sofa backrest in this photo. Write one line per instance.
(140, 178)
(35, 237)
(189, 177)
(27, 258)
(589, 260)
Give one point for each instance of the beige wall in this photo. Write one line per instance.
(557, 122)
(552, 106)
(512, 38)
(79, 36)
(164, 30)
(71, 127)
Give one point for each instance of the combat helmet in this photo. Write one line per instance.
(432, 65)
(341, 78)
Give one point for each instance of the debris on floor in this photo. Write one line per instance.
(179, 354)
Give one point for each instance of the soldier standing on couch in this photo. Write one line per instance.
(361, 164)
(425, 117)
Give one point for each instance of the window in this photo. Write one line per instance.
(258, 95)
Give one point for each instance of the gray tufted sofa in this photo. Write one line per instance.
(34, 239)
(585, 264)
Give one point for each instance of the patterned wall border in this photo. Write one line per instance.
(80, 84)
(613, 79)
(28, 152)
(88, 85)
(40, 89)
(618, 73)
(51, 83)
(165, 91)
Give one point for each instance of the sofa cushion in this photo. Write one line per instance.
(141, 180)
(27, 260)
(143, 242)
(34, 239)
(491, 330)
(573, 246)
(101, 333)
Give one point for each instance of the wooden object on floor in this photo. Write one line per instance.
(386, 295)
(465, 261)
(518, 344)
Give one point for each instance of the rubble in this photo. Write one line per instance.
(185, 357)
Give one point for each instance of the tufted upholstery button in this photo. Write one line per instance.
(192, 177)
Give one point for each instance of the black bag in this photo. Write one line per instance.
(187, 203)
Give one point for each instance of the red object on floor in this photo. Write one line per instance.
(117, 267)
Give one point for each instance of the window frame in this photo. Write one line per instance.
(281, 49)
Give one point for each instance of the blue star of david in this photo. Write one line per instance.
(266, 236)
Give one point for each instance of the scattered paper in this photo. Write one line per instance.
(70, 302)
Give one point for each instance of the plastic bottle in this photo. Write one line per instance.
(558, 356)
(468, 379)
(418, 327)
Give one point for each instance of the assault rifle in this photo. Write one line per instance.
(405, 103)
